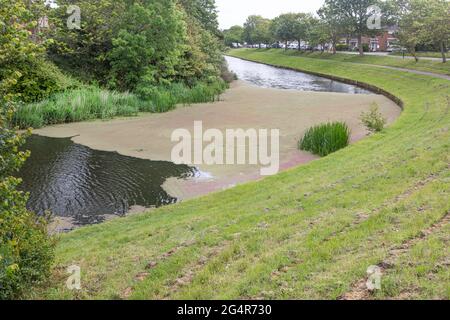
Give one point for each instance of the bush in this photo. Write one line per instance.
(326, 138)
(373, 120)
(342, 47)
(38, 80)
(26, 250)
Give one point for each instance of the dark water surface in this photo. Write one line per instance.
(271, 77)
(72, 180)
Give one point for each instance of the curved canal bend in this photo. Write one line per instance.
(80, 183)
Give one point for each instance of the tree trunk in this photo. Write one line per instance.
(286, 45)
(299, 46)
(334, 44)
(360, 45)
(413, 53)
(443, 52)
(260, 45)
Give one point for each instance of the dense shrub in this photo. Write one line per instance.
(342, 47)
(373, 120)
(325, 138)
(26, 251)
(38, 80)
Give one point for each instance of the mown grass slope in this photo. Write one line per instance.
(389, 61)
(310, 232)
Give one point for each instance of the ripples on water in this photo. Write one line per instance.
(270, 77)
(75, 181)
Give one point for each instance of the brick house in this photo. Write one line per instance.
(378, 43)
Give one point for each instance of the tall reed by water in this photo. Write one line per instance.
(326, 138)
(94, 103)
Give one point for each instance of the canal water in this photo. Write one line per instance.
(86, 185)
(270, 77)
(73, 181)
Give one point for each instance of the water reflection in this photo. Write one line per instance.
(75, 181)
(271, 77)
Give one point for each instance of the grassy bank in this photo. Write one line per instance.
(310, 232)
(422, 65)
(89, 103)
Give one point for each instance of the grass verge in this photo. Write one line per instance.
(308, 233)
(422, 65)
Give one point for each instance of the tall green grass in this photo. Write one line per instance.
(326, 138)
(93, 103)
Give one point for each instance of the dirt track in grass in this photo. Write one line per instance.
(148, 136)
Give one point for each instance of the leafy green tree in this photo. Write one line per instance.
(303, 26)
(26, 251)
(353, 15)
(284, 27)
(84, 52)
(332, 24)
(149, 43)
(233, 35)
(410, 25)
(257, 30)
(423, 22)
(319, 33)
(126, 44)
(205, 12)
(22, 48)
(435, 24)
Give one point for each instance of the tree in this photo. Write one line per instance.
(125, 44)
(435, 23)
(257, 30)
(303, 24)
(149, 43)
(285, 27)
(26, 250)
(354, 15)
(424, 22)
(410, 25)
(332, 24)
(205, 12)
(319, 33)
(233, 35)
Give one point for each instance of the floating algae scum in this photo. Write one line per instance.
(107, 188)
(309, 232)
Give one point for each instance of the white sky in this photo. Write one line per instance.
(235, 12)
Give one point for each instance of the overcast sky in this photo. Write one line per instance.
(235, 12)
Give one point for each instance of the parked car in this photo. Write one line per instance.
(395, 48)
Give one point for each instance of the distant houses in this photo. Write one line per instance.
(385, 41)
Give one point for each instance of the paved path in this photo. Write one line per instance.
(386, 54)
(425, 73)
